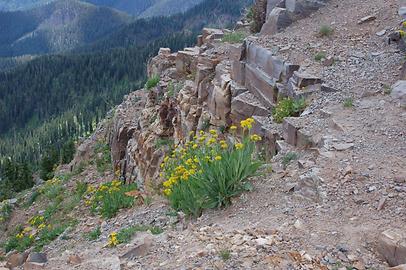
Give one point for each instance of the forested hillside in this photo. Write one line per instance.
(55, 99)
(59, 26)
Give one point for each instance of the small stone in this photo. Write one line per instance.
(16, 259)
(74, 260)
(33, 266)
(298, 225)
(381, 33)
(37, 257)
(381, 204)
(343, 146)
(367, 19)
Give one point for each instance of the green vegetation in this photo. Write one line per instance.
(289, 157)
(40, 230)
(348, 103)
(325, 31)
(102, 157)
(207, 172)
(94, 234)
(125, 235)
(257, 15)
(288, 107)
(387, 89)
(15, 177)
(152, 82)
(160, 142)
(109, 198)
(225, 254)
(5, 213)
(234, 37)
(320, 56)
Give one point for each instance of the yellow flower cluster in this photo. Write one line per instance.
(113, 241)
(36, 220)
(186, 161)
(247, 123)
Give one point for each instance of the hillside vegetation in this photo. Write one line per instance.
(56, 27)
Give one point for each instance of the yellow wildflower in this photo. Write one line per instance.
(20, 235)
(217, 158)
(255, 138)
(239, 146)
(233, 128)
(113, 239)
(167, 192)
(195, 146)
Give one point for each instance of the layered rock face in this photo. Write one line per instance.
(213, 85)
(281, 13)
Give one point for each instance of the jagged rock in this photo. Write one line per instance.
(303, 8)
(16, 259)
(303, 79)
(392, 246)
(209, 34)
(399, 92)
(309, 186)
(276, 20)
(367, 19)
(186, 60)
(290, 130)
(37, 257)
(140, 246)
(246, 105)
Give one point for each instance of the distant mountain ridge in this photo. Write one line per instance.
(58, 26)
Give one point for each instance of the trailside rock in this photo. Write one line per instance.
(16, 259)
(392, 246)
(399, 92)
(278, 19)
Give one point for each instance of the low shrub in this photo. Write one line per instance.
(94, 234)
(234, 37)
(207, 172)
(348, 103)
(152, 82)
(320, 56)
(126, 234)
(325, 31)
(109, 198)
(5, 213)
(288, 158)
(288, 107)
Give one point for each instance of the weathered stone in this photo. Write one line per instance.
(303, 79)
(303, 8)
(399, 92)
(16, 259)
(392, 246)
(140, 246)
(278, 19)
(74, 260)
(209, 34)
(290, 130)
(33, 266)
(246, 105)
(399, 267)
(308, 186)
(37, 257)
(186, 60)
(365, 19)
(304, 139)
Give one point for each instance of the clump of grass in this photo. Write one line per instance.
(207, 171)
(234, 37)
(125, 235)
(225, 254)
(152, 82)
(386, 89)
(94, 234)
(103, 157)
(109, 198)
(289, 157)
(288, 107)
(348, 103)
(160, 142)
(325, 31)
(5, 213)
(320, 56)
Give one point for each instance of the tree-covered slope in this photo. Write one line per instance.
(55, 98)
(55, 27)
